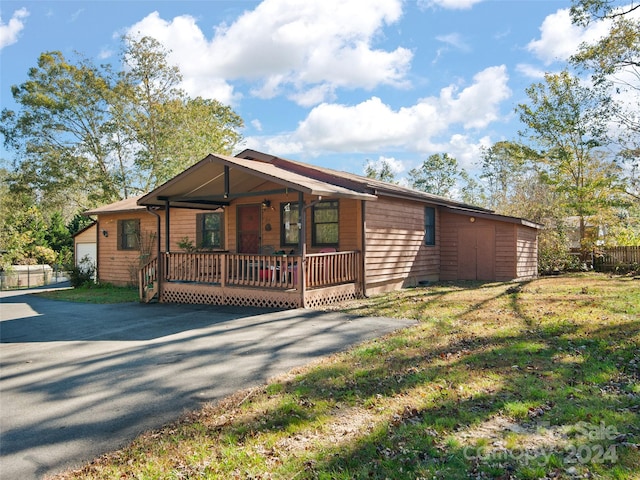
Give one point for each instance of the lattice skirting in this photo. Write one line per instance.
(216, 295)
(255, 297)
(328, 295)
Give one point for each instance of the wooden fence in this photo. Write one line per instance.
(617, 257)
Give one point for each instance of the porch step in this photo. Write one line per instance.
(151, 292)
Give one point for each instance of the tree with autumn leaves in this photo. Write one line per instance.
(86, 135)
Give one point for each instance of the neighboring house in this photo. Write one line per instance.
(594, 234)
(260, 230)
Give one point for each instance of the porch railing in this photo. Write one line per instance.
(269, 271)
(148, 280)
(324, 269)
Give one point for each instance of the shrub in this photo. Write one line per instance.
(83, 273)
(553, 253)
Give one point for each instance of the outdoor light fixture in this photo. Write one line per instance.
(105, 233)
(266, 203)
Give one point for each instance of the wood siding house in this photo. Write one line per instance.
(260, 230)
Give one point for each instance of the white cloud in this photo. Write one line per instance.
(467, 151)
(371, 125)
(396, 166)
(76, 15)
(448, 4)
(190, 50)
(9, 32)
(530, 71)
(105, 53)
(455, 40)
(302, 50)
(255, 123)
(559, 38)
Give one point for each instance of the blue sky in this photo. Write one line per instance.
(330, 82)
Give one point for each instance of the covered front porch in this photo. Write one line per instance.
(277, 238)
(279, 281)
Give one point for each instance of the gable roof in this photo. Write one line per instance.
(85, 228)
(246, 171)
(356, 182)
(127, 205)
(376, 187)
(217, 179)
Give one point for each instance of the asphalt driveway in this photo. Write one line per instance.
(78, 380)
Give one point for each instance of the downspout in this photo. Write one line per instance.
(97, 272)
(158, 253)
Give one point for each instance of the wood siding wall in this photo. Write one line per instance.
(527, 251)
(506, 251)
(120, 266)
(88, 236)
(396, 255)
(515, 253)
(349, 222)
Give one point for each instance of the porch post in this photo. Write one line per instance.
(159, 257)
(166, 226)
(363, 259)
(302, 239)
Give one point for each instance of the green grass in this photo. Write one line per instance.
(492, 383)
(100, 293)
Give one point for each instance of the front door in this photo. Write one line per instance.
(476, 253)
(248, 228)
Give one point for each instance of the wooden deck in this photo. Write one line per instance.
(281, 281)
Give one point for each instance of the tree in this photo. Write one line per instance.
(503, 166)
(88, 135)
(59, 134)
(438, 175)
(472, 191)
(567, 122)
(165, 131)
(204, 126)
(615, 59)
(616, 51)
(58, 236)
(380, 170)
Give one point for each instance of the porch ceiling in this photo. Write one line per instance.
(204, 185)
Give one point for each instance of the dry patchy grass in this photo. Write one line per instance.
(534, 380)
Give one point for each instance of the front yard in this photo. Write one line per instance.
(499, 380)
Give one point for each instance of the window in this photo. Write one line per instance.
(210, 230)
(129, 234)
(429, 226)
(289, 218)
(325, 224)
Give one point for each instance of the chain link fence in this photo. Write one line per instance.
(29, 276)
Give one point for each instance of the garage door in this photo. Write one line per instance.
(88, 250)
(476, 253)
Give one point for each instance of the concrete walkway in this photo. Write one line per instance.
(78, 380)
